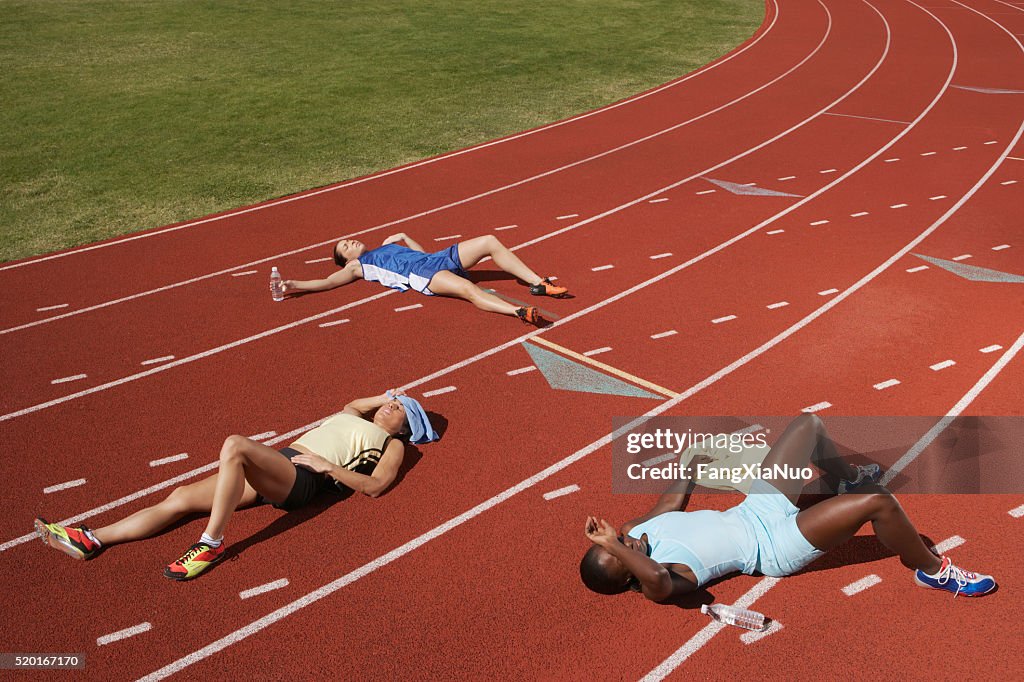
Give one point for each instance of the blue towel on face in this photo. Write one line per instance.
(419, 423)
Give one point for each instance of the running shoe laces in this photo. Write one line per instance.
(959, 575)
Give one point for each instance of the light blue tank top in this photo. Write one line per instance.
(711, 543)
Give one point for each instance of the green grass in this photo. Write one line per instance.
(119, 116)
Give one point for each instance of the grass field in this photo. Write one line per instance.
(120, 116)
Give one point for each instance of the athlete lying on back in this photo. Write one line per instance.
(441, 273)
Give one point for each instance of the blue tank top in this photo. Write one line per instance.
(711, 543)
(390, 265)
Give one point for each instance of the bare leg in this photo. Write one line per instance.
(244, 460)
(806, 440)
(447, 283)
(837, 519)
(189, 499)
(472, 251)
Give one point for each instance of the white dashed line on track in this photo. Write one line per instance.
(780, 304)
(658, 201)
(963, 256)
(660, 255)
(263, 436)
(318, 260)
(706, 191)
(959, 149)
(408, 307)
(521, 370)
(827, 170)
(928, 153)
(52, 307)
(567, 490)
(817, 407)
(597, 351)
(168, 460)
(828, 292)
(719, 320)
(788, 177)
(243, 274)
(63, 486)
(65, 380)
(599, 268)
(444, 239)
(157, 361)
(919, 268)
(1017, 512)
(751, 637)
(892, 160)
(775, 232)
(334, 323)
(859, 214)
(937, 197)
(990, 349)
(861, 585)
(992, 142)
(818, 222)
(942, 365)
(1000, 247)
(123, 634)
(446, 389)
(948, 544)
(566, 217)
(670, 332)
(505, 227)
(887, 384)
(898, 206)
(1008, 182)
(269, 587)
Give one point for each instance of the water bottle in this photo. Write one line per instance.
(276, 285)
(733, 615)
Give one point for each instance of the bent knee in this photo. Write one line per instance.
(234, 447)
(883, 501)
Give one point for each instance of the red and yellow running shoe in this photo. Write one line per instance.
(192, 563)
(72, 541)
(546, 287)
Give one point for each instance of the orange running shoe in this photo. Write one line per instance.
(546, 287)
(192, 563)
(530, 315)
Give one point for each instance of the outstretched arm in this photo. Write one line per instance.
(409, 241)
(338, 279)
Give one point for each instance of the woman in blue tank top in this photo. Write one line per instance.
(667, 552)
(442, 273)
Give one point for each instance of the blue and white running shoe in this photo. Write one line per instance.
(867, 473)
(956, 580)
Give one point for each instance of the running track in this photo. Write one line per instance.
(464, 569)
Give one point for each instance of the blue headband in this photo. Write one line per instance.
(419, 423)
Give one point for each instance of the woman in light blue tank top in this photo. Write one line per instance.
(668, 552)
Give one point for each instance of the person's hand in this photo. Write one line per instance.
(314, 463)
(393, 393)
(287, 287)
(394, 238)
(600, 532)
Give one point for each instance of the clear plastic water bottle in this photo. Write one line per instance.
(733, 615)
(276, 285)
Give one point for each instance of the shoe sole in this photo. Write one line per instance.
(57, 542)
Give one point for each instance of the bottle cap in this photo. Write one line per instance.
(703, 608)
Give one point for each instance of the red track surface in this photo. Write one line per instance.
(864, 89)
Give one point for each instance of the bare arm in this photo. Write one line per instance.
(361, 407)
(349, 273)
(409, 241)
(657, 582)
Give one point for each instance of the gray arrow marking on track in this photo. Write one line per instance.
(989, 91)
(973, 272)
(751, 190)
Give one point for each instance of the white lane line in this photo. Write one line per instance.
(64, 486)
(928, 153)
(157, 361)
(892, 159)
(1008, 182)
(964, 256)
(408, 307)
(859, 214)
(719, 320)
(887, 384)
(751, 637)
(1017, 512)
(788, 177)
(318, 260)
(666, 255)
(1015, 158)
(505, 227)
(706, 191)
(959, 149)
(521, 370)
(828, 292)
(123, 634)
(780, 304)
(662, 335)
(919, 268)
(444, 239)
(269, 587)
(861, 585)
(597, 351)
(567, 490)
(990, 349)
(446, 389)
(168, 460)
(898, 206)
(334, 323)
(992, 142)
(1000, 247)
(52, 307)
(819, 222)
(827, 170)
(938, 366)
(705, 634)
(263, 436)
(65, 380)
(937, 197)
(817, 407)
(948, 544)
(566, 217)
(775, 232)
(244, 274)
(599, 268)
(658, 201)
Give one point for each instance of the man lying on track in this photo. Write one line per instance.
(668, 552)
(360, 448)
(442, 273)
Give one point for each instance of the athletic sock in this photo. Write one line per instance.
(88, 534)
(210, 541)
